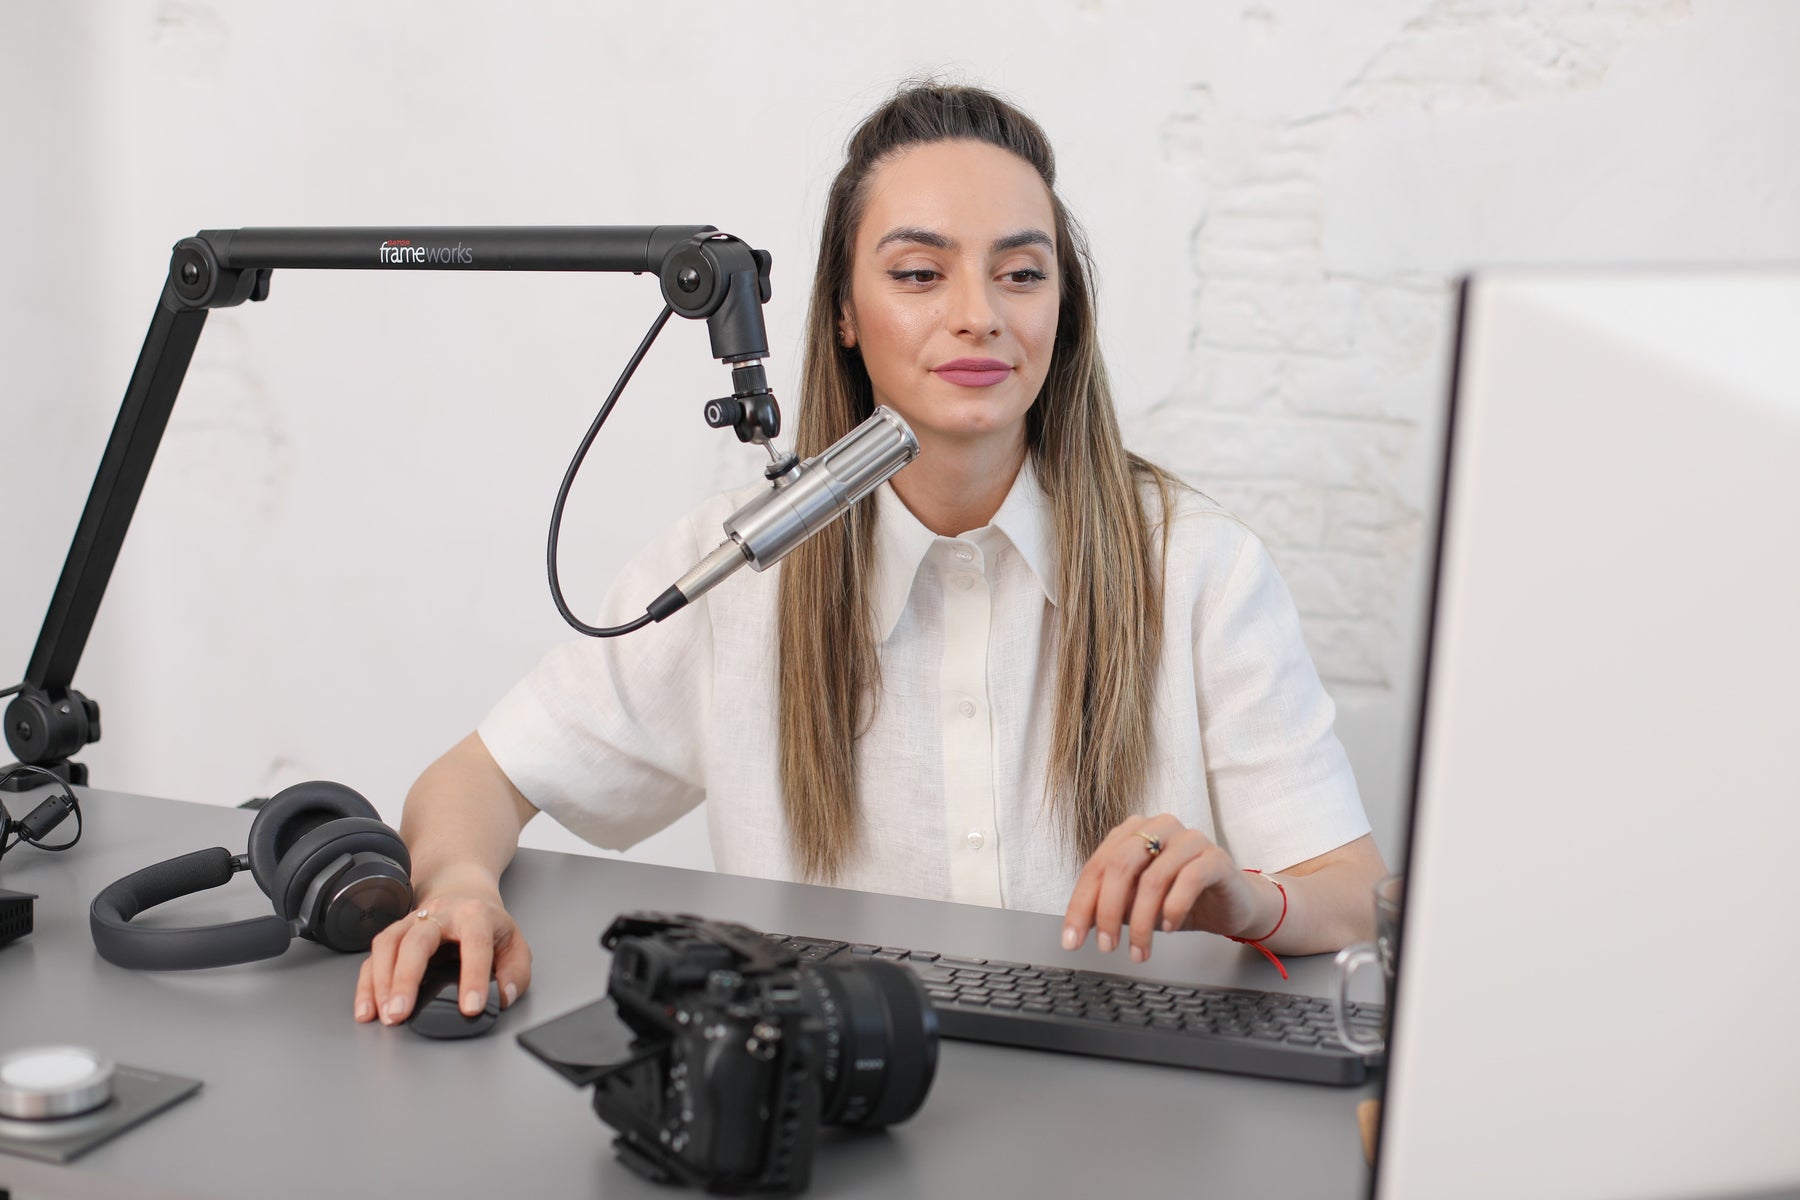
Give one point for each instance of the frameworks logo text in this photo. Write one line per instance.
(400, 252)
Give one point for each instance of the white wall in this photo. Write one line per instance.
(336, 566)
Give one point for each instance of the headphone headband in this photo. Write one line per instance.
(151, 949)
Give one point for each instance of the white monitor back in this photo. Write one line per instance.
(1599, 988)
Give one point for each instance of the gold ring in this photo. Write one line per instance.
(1153, 842)
(424, 914)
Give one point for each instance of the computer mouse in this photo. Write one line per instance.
(437, 1012)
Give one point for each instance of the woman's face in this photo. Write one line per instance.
(954, 289)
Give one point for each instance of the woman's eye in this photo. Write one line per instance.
(922, 275)
(1026, 275)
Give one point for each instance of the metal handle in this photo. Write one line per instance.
(1348, 960)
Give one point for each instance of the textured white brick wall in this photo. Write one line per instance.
(336, 565)
(1309, 397)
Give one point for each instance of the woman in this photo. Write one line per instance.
(974, 686)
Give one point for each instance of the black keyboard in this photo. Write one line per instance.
(1247, 1032)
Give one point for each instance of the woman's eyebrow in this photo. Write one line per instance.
(937, 241)
(917, 236)
(1021, 239)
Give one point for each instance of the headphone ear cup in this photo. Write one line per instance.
(324, 845)
(289, 816)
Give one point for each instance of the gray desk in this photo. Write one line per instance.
(301, 1101)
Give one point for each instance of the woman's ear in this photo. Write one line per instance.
(846, 329)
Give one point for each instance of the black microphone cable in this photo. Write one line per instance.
(38, 823)
(562, 494)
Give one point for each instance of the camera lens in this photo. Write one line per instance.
(880, 1042)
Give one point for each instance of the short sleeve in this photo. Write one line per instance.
(1281, 786)
(607, 734)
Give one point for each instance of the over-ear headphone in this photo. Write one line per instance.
(336, 874)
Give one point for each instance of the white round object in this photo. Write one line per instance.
(45, 1082)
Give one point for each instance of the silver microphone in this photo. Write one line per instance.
(800, 502)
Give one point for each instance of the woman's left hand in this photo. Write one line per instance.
(1189, 883)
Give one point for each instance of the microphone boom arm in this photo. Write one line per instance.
(705, 275)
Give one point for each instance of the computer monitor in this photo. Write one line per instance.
(1599, 965)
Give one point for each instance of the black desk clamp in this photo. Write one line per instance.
(704, 275)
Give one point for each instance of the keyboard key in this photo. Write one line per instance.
(955, 961)
(925, 956)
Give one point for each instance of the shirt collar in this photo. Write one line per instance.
(901, 544)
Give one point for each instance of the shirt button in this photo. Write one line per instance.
(966, 554)
(965, 582)
(966, 708)
(975, 839)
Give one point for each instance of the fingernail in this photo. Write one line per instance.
(395, 1007)
(1168, 925)
(1071, 939)
(1105, 943)
(471, 1002)
(364, 1010)
(1138, 955)
(511, 992)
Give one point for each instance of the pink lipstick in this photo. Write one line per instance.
(973, 372)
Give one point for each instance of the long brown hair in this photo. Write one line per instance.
(1109, 607)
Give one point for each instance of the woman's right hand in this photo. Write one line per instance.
(465, 909)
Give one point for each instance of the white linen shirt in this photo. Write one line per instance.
(617, 738)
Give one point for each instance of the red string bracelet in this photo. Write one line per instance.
(1258, 942)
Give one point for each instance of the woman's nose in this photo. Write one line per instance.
(972, 309)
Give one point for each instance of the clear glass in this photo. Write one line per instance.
(1389, 893)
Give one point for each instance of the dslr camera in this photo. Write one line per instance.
(740, 1050)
